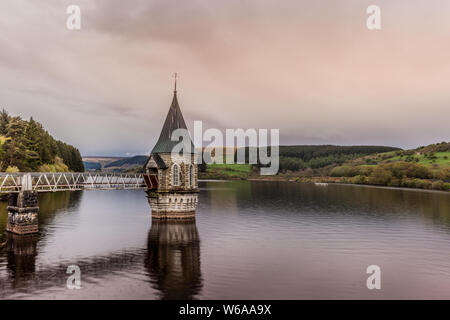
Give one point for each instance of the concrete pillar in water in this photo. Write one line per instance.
(23, 209)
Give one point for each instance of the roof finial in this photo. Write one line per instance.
(175, 75)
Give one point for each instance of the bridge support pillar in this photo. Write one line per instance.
(23, 212)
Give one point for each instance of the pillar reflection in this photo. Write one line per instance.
(173, 259)
(21, 252)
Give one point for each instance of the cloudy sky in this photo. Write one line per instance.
(310, 68)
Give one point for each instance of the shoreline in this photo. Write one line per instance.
(328, 180)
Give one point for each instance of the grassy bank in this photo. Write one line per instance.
(425, 168)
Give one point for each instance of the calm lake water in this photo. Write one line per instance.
(251, 240)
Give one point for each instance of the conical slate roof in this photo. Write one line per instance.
(174, 120)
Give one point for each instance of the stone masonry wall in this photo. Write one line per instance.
(23, 213)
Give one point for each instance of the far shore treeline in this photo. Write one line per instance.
(27, 146)
(300, 157)
(426, 167)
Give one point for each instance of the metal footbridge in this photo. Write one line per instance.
(69, 181)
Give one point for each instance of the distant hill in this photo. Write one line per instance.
(433, 156)
(318, 156)
(307, 152)
(133, 161)
(92, 165)
(425, 167)
(301, 157)
(99, 163)
(437, 147)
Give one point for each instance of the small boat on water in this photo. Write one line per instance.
(321, 184)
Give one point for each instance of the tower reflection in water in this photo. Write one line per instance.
(21, 255)
(173, 259)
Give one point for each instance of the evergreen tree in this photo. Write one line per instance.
(26, 145)
(32, 146)
(4, 120)
(14, 145)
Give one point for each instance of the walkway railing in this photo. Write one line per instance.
(50, 182)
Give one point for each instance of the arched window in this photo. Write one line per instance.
(176, 175)
(191, 175)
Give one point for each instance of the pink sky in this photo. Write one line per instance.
(309, 68)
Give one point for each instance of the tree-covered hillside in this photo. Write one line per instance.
(27, 146)
(300, 157)
(309, 156)
(426, 167)
(294, 158)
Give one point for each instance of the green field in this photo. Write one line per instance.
(426, 167)
(439, 158)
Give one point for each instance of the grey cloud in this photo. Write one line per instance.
(170, 21)
(309, 68)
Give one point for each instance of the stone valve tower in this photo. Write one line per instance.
(171, 177)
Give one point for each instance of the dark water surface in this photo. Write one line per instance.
(251, 240)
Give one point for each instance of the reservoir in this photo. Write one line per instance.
(250, 240)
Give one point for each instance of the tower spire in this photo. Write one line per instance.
(174, 121)
(175, 76)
